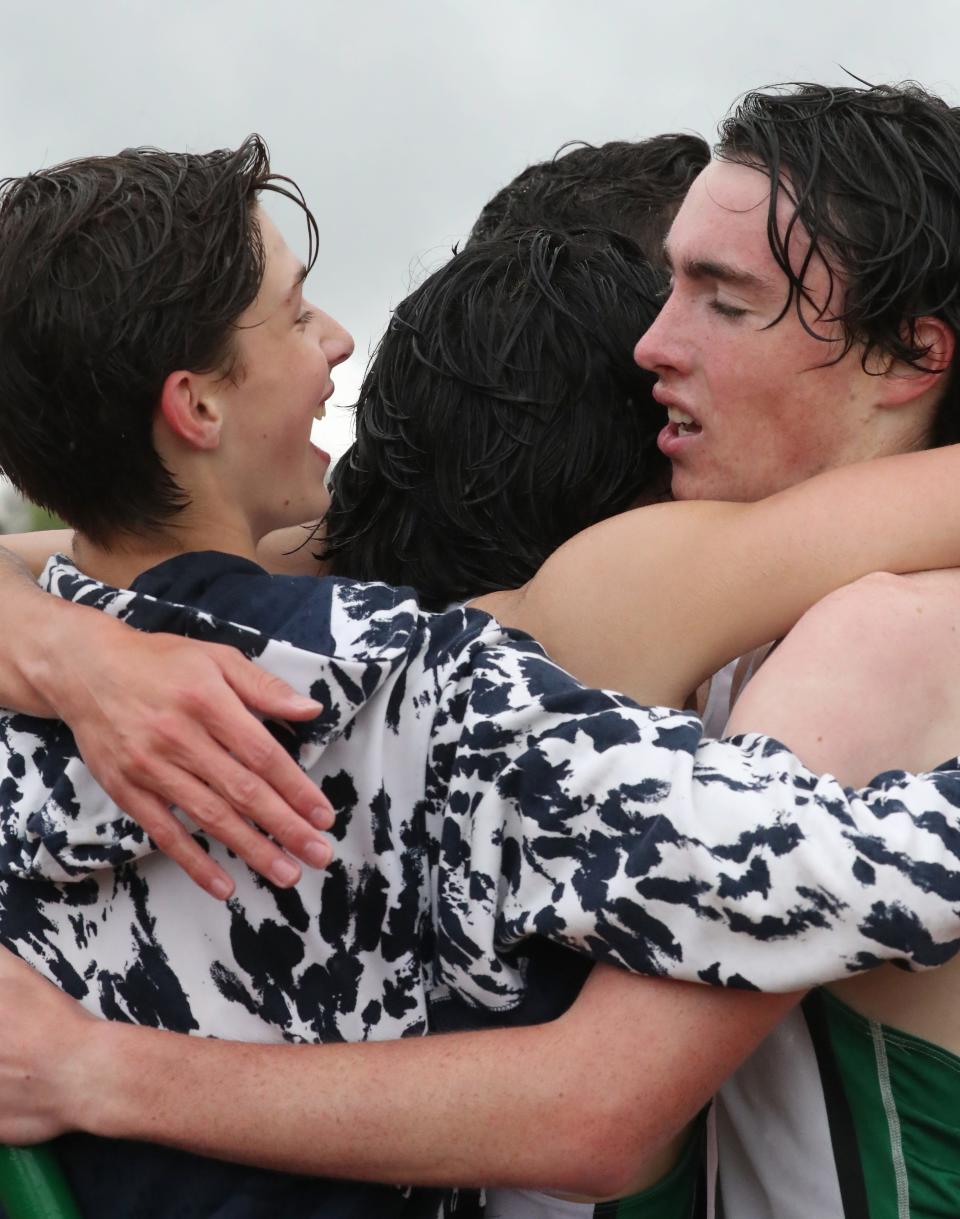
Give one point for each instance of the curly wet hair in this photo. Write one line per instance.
(501, 414)
(633, 187)
(873, 176)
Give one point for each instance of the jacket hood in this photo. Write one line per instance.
(55, 820)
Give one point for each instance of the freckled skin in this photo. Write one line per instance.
(771, 412)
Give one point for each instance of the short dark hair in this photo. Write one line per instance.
(873, 175)
(114, 272)
(634, 188)
(501, 414)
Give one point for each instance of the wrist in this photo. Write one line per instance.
(61, 632)
(32, 652)
(105, 1090)
(37, 654)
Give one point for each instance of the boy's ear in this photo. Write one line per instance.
(904, 383)
(190, 410)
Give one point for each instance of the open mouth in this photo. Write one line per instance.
(321, 411)
(683, 423)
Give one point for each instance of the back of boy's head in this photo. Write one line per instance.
(115, 272)
(501, 414)
(634, 188)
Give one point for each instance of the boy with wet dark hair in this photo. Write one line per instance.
(502, 413)
(813, 321)
(632, 187)
(873, 176)
(98, 294)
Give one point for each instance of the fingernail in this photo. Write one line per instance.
(317, 853)
(221, 888)
(284, 872)
(299, 703)
(321, 817)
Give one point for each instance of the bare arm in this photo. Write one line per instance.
(868, 680)
(22, 674)
(162, 721)
(292, 551)
(35, 548)
(614, 1080)
(655, 601)
(651, 602)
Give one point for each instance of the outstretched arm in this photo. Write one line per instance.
(655, 601)
(614, 1081)
(161, 721)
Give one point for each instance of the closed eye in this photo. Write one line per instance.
(726, 310)
(305, 317)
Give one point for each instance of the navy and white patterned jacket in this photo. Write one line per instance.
(483, 797)
(486, 801)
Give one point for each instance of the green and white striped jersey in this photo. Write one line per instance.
(837, 1116)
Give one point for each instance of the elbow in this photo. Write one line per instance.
(598, 1154)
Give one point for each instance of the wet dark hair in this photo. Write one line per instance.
(501, 414)
(114, 272)
(634, 188)
(873, 175)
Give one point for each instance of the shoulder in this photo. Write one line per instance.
(886, 624)
(868, 680)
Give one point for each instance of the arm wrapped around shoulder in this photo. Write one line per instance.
(618, 831)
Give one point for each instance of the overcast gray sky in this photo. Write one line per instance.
(399, 118)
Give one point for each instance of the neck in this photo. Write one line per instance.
(123, 557)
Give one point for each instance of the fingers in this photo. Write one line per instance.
(264, 782)
(229, 722)
(173, 839)
(221, 818)
(193, 743)
(237, 789)
(263, 691)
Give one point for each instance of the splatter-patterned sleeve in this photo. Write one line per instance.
(617, 830)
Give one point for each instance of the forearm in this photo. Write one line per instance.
(161, 722)
(360, 1112)
(655, 601)
(37, 547)
(34, 629)
(614, 1082)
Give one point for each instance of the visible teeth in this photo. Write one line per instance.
(675, 415)
(320, 412)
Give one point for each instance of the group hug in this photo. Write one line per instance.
(553, 809)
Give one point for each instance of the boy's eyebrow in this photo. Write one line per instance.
(714, 268)
(710, 268)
